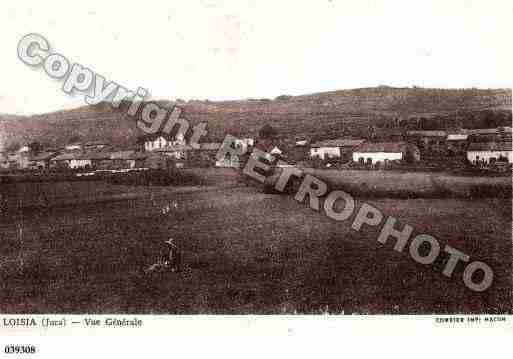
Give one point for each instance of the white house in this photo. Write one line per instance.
(249, 142)
(4, 160)
(73, 147)
(276, 151)
(489, 152)
(65, 160)
(229, 161)
(161, 142)
(244, 143)
(456, 143)
(333, 148)
(370, 153)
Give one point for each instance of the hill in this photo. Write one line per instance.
(319, 115)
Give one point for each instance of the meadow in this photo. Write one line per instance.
(87, 248)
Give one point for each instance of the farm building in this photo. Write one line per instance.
(371, 153)
(73, 147)
(275, 151)
(127, 159)
(457, 143)
(42, 160)
(334, 148)
(94, 159)
(499, 134)
(4, 160)
(245, 142)
(63, 160)
(162, 141)
(159, 160)
(205, 155)
(489, 152)
(177, 151)
(95, 146)
(78, 160)
(229, 161)
(19, 159)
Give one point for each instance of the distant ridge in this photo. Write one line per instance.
(317, 115)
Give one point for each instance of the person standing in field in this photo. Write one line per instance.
(172, 256)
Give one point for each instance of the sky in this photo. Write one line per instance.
(218, 50)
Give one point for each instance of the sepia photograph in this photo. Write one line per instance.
(279, 158)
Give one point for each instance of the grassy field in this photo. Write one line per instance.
(245, 252)
(399, 184)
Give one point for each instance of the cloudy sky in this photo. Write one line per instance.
(215, 49)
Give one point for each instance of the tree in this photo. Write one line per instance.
(267, 132)
(75, 139)
(35, 146)
(15, 146)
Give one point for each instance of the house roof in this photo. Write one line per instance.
(490, 146)
(154, 136)
(173, 148)
(487, 131)
(127, 155)
(339, 143)
(428, 133)
(210, 146)
(276, 151)
(95, 155)
(382, 147)
(43, 156)
(96, 143)
(66, 157)
(457, 137)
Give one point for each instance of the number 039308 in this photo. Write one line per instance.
(19, 349)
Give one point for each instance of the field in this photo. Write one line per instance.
(85, 249)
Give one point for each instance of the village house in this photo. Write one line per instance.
(126, 159)
(276, 151)
(63, 160)
(19, 159)
(162, 141)
(457, 144)
(158, 160)
(230, 160)
(499, 134)
(74, 160)
(205, 155)
(42, 160)
(177, 152)
(489, 152)
(94, 160)
(81, 161)
(371, 152)
(94, 146)
(76, 146)
(170, 147)
(339, 148)
(245, 142)
(4, 160)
